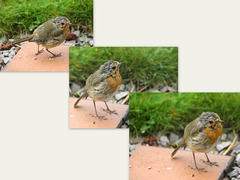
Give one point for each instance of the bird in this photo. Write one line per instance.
(50, 34)
(201, 135)
(102, 85)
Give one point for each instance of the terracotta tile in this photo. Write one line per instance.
(27, 61)
(81, 117)
(165, 167)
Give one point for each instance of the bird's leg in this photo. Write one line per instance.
(99, 117)
(54, 55)
(39, 52)
(108, 110)
(208, 162)
(196, 168)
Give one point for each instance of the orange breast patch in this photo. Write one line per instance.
(212, 135)
(66, 31)
(114, 82)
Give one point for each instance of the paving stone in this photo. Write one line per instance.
(81, 117)
(26, 60)
(165, 167)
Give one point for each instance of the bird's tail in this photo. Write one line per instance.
(21, 40)
(175, 151)
(84, 95)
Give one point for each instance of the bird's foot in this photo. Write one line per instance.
(109, 111)
(99, 117)
(39, 52)
(198, 169)
(210, 163)
(56, 55)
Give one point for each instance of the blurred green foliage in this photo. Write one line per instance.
(171, 112)
(153, 66)
(21, 16)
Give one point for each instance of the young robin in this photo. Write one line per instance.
(50, 34)
(201, 135)
(102, 85)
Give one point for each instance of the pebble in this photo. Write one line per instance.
(173, 137)
(75, 87)
(88, 39)
(226, 178)
(179, 141)
(153, 90)
(164, 140)
(128, 87)
(6, 60)
(167, 89)
(81, 39)
(224, 137)
(77, 33)
(136, 140)
(238, 159)
(90, 35)
(236, 150)
(121, 95)
(124, 126)
(91, 43)
(223, 145)
(3, 39)
(122, 87)
(132, 147)
(13, 49)
(5, 53)
(80, 91)
(233, 173)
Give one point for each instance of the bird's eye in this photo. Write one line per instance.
(62, 23)
(114, 67)
(211, 121)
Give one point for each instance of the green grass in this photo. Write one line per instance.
(153, 66)
(22, 16)
(171, 112)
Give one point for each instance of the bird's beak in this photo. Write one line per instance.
(221, 121)
(71, 24)
(120, 63)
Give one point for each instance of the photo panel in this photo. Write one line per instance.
(36, 35)
(101, 79)
(183, 135)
